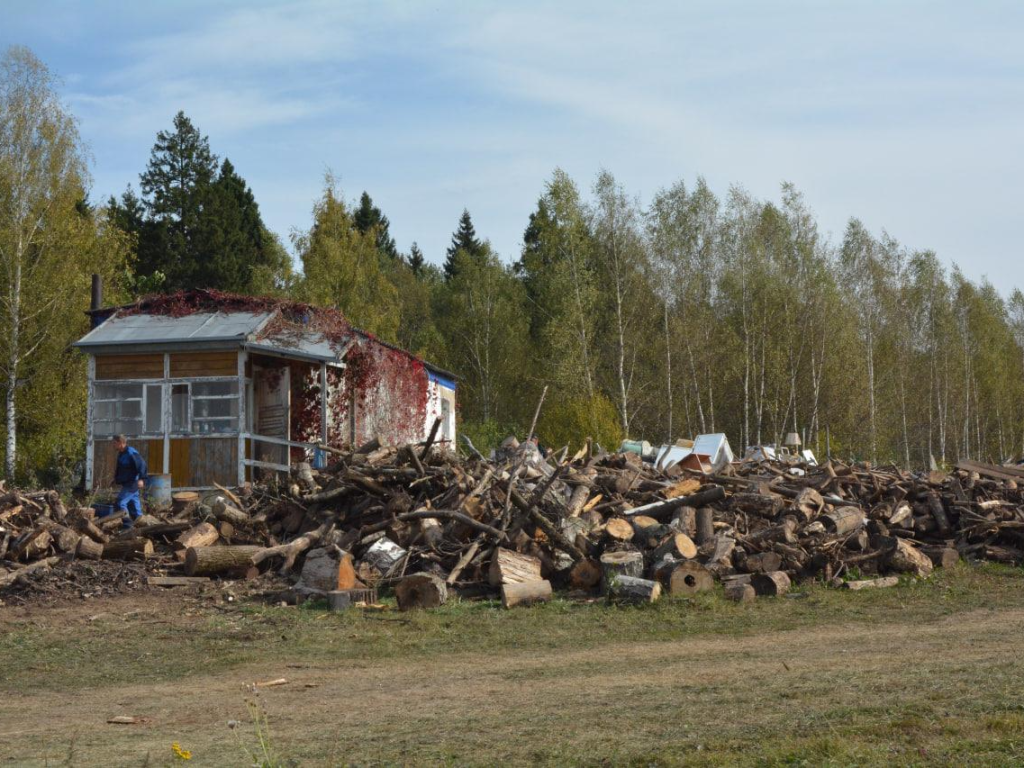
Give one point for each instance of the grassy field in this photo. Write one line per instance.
(927, 673)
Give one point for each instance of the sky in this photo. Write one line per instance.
(908, 115)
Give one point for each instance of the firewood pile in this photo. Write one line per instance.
(427, 524)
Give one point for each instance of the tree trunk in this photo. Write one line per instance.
(618, 529)
(525, 593)
(905, 558)
(585, 574)
(201, 535)
(210, 561)
(88, 549)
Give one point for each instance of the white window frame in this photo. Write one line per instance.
(118, 419)
(230, 420)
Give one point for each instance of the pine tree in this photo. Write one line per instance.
(416, 259)
(463, 239)
(369, 217)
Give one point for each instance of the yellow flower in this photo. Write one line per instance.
(181, 754)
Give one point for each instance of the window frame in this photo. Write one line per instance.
(230, 425)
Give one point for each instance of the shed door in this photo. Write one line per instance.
(272, 403)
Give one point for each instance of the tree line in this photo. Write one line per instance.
(689, 314)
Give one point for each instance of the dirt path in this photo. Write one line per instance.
(519, 707)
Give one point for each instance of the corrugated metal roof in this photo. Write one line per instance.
(310, 346)
(156, 329)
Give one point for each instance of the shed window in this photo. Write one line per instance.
(117, 409)
(214, 406)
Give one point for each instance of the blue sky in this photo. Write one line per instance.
(908, 115)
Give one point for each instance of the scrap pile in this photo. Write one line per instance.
(426, 523)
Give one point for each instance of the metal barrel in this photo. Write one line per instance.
(158, 490)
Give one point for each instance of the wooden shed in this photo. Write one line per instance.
(218, 388)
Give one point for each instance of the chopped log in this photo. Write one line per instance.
(663, 509)
(887, 581)
(843, 520)
(619, 529)
(292, 549)
(64, 538)
(942, 557)
(626, 563)
(740, 593)
(762, 504)
(685, 521)
(630, 589)
(689, 578)
(431, 532)
(774, 584)
(578, 500)
(128, 549)
(525, 593)
(939, 513)
(705, 525)
(585, 574)
(906, 558)
(677, 545)
(808, 503)
(421, 590)
(224, 511)
(320, 571)
(88, 549)
(201, 535)
(508, 567)
(212, 561)
(87, 527)
(647, 531)
(762, 562)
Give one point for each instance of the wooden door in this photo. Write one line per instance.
(272, 396)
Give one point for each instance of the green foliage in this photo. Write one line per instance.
(569, 420)
(341, 268)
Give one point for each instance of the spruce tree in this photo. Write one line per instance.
(463, 239)
(416, 259)
(369, 217)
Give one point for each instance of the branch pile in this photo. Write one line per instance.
(428, 523)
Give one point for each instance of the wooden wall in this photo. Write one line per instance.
(112, 367)
(187, 365)
(184, 365)
(203, 461)
(105, 459)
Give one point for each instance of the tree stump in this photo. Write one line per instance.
(210, 561)
(525, 593)
(630, 589)
(762, 562)
(421, 590)
(685, 521)
(773, 584)
(627, 563)
(647, 531)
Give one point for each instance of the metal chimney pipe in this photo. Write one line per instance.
(97, 293)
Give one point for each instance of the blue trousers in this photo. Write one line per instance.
(128, 501)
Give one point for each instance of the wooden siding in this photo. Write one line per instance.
(105, 459)
(113, 367)
(196, 364)
(201, 462)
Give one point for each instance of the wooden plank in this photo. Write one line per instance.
(181, 468)
(194, 364)
(114, 367)
(176, 581)
(214, 460)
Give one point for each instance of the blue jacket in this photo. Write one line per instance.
(131, 467)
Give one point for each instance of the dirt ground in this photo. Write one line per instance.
(927, 689)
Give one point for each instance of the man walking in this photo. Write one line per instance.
(130, 474)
